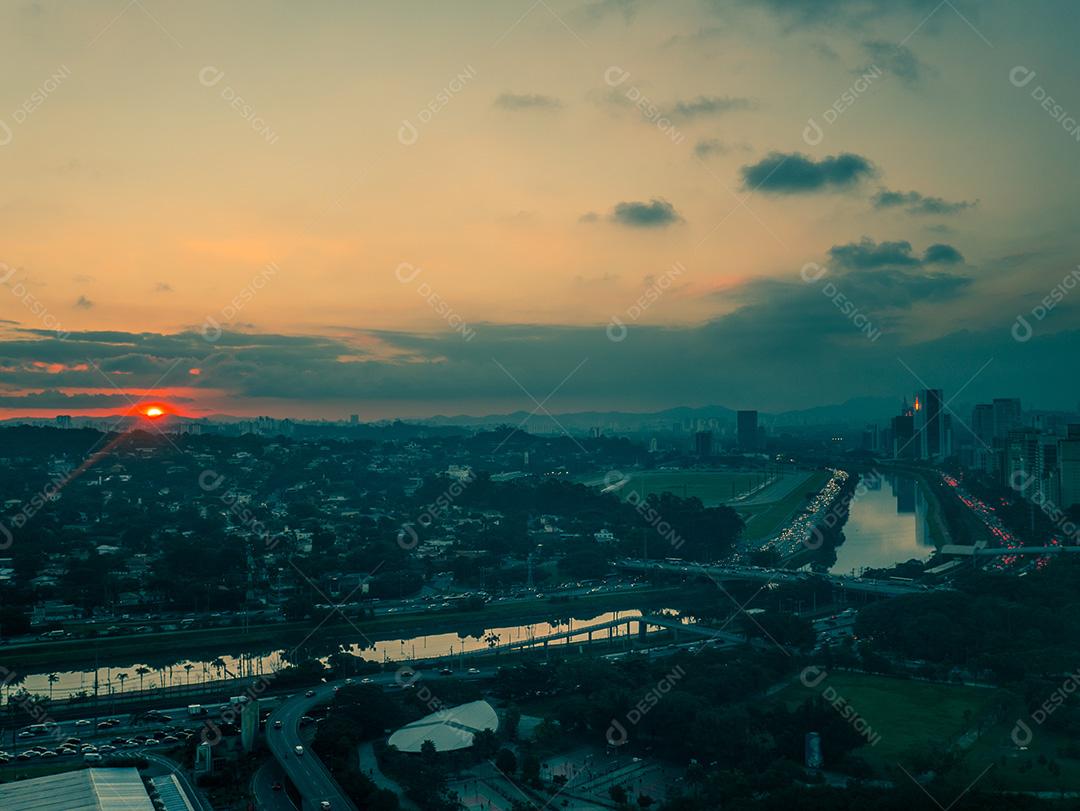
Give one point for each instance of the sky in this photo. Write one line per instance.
(419, 208)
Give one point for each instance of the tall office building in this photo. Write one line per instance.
(746, 424)
(703, 443)
(63, 420)
(1007, 417)
(931, 425)
(902, 431)
(1068, 458)
(983, 456)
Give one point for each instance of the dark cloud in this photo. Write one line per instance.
(941, 254)
(526, 101)
(915, 203)
(656, 213)
(51, 398)
(820, 13)
(600, 9)
(868, 255)
(895, 59)
(83, 303)
(710, 146)
(795, 173)
(703, 106)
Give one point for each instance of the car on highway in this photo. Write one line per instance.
(83, 722)
(324, 805)
(310, 694)
(299, 750)
(276, 787)
(446, 672)
(474, 671)
(91, 757)
(277, 724)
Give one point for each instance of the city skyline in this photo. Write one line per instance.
(684, 206)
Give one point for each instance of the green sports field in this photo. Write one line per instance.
(713, 487)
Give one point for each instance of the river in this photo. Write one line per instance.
(388, 650)
(887, 524)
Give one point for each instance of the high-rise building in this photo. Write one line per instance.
(63, 420)
(746, 426)
(902, 428)
(354, 419)
(982, 454)
(703, 443)
(931, 426)
(1068, 458)
(1007, 417)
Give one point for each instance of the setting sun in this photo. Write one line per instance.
(154, 411)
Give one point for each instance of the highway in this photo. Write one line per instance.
(720, 571)
(306, 771)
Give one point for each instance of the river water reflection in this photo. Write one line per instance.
(887, 525)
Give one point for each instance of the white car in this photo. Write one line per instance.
(83, 722)
(299, 750)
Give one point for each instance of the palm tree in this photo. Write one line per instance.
(53, 679)
(142, 671)
(219, 663)
(187, 670)
(121, 677)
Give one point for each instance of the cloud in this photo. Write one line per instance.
(601, 9)
(703, 106)
(83, 303)
(795, 173)
(895, 59)
(52, 398)
(707, 147)
(821, 13)
(526, 101)
(868, 255)
(941, 254)
(916, 203)
(656, 213)
(163, 287)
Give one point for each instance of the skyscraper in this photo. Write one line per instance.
(1068, 459)
(931, 425)
(746, 424)
(703, 443)
(1006, 418)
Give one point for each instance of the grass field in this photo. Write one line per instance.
(908, 715)
(713, 487)
(763, 520)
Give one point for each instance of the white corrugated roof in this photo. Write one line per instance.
(84, 790)
(448, 729)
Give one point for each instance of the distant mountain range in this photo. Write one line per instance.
(859, 411)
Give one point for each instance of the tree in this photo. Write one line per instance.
(511, 719)
(506, 762)
(428, 752)
(53, 679)
(141, 671)
(121, 677)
